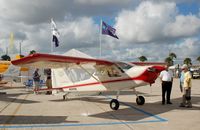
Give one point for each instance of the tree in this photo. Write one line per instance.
(32, 52)
(198, 58)
(142, 58)
(187, 61)
(169, 61)
(5, 57)
(172, 55)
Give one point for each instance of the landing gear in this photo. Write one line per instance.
(65, 96)
(114, 104)
(140, 100)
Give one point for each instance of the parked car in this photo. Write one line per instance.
(195, 73)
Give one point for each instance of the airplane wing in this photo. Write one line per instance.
(149, 63)
(60, 79)
(55, 61)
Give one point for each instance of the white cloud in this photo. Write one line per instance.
(102, 2)
(189, 47)
(183, 26)
(145, 23)
(155, 22)
(82, 29)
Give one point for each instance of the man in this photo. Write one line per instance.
(166, 77)
(186, 100)
(181, 80)
(48, 81)
(36, 79)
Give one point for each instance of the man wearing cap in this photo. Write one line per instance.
(186, 101)
(166, 77)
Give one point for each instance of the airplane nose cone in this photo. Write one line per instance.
(153, 73)
(158, 69)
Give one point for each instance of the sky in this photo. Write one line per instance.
(152, 28)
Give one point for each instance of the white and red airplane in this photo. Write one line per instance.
(100, 75)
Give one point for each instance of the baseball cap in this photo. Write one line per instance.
(184, 66)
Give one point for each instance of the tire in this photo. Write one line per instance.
(64, 97)
(114, 104)
(140, 100)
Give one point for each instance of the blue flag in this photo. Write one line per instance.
(108, 30)
(55, 33)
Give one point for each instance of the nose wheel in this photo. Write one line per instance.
(114, 104)
(140, 100)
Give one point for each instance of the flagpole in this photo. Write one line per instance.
(51, 36)
(51, 41)
(100, 39)
(51, 46)
(20, 48)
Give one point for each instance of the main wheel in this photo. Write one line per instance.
(114, 104)
(64, 97)
(140, 100)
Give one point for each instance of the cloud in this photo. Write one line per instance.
(82, 32)
(149, 28)
(37, 11)
(145, 23)
(189, 47)
(102, 2)
(183, 26)
(151, 22)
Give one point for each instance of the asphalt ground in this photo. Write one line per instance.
(21, 109)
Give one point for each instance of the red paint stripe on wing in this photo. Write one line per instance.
(57, 58)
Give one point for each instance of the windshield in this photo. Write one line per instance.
(124, 66)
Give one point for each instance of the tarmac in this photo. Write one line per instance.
(21, 109)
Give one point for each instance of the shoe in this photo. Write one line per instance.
(188, 106)
(181, 105)
(163, 103)
(169, 103)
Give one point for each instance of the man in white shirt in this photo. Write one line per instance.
(166, 77)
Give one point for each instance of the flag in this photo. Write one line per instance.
(11, 41)
(55, 33)
(108, 30)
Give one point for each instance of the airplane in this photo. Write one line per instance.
(9, 72)
(4, 66)
(100, 75)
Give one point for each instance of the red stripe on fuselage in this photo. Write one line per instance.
(89, 84)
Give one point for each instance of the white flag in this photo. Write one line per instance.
(55, 33)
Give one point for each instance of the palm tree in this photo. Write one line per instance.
(5, 57)
(172, 55)
(169, 61)
(198, 58)
(142, 58)
(32, 52)
(187, 61)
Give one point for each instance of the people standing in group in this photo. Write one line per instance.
(36, 79)
(48, 81)
(187, 84)
(166, 77)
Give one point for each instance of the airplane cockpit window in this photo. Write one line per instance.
(124, 66)
(113, 73)
(78, 74)
(108, 71)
